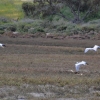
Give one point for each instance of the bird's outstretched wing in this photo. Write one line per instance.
(77, 67)
(87, 49)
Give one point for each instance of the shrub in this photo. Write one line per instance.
(25, 24)
(61, 28)
(2, 27)
(1, 31)
(8, 26)
(11, 28)
(35, 30)
(28, 8)
(20, 27)
(26, 27)
(4, 20)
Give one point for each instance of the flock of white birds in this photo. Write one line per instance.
(78, 64)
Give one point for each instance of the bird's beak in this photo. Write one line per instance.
(87, 63)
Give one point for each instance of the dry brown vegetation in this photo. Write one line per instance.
(42, 65)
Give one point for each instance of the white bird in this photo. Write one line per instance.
(78, 65)
(92, 49)
(2, 45)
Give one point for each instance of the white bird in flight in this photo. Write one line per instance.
(92, 49)
(2, 45)
(78, 65)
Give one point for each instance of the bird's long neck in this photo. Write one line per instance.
(95, 49)
(83, 63)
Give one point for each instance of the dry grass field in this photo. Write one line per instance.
(38, 69)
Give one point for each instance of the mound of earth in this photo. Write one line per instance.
(53, 36)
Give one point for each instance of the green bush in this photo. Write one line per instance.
(25, 24)
(88, 29)
(1, 31)
(61, 28)
(4, 20)
(2, 27)
(27, 27)
(8, 26)
(20, 27)
(35, 30)
(11, 28)
(28, 8)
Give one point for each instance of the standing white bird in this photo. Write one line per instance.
(2, 45)
(92, 49)
(78, 65)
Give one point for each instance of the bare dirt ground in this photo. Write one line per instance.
(39, 69)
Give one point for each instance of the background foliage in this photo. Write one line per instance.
(53, 16)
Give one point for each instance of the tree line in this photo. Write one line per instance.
(80, 10)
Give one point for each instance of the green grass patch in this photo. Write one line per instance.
(11, 8)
